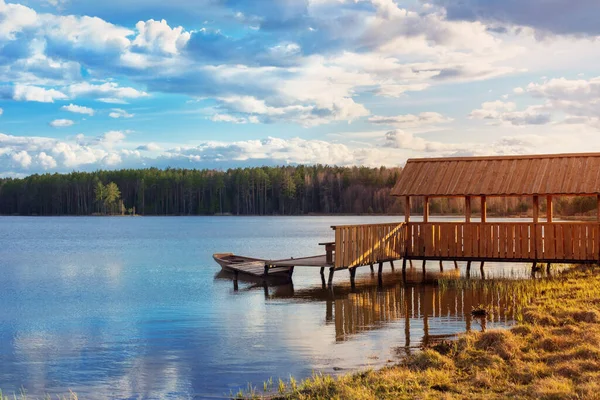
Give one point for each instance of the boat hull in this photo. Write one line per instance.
(250, 266)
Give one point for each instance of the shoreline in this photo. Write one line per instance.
(553, 352)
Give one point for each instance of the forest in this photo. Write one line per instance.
(286, 190)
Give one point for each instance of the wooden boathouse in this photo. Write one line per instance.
(475, 179)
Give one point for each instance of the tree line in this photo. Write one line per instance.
(288, 190)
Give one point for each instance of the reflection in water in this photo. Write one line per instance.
(368, 306)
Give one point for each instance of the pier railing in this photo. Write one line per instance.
(358, 245)
(504, 241)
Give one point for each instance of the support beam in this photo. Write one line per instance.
(536, 209)
(411, 264)
(549, 209)
(468, 266)
(372, 268)
(455, 264)
(481, 267)
(598, 203)
(548, 268)
(441, 266)
(468, 209)
(407, 209)
(424, 262)
(392, 264)
(352, 275)
(380, 272)
(404, 264)
(331, 271)
(426, 209)
(483, 209)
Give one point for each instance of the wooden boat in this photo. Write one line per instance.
(251, 266)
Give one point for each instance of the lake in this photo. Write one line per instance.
(136, 308)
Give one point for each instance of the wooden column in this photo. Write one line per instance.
(483, 209)
(549, 209)
(468, 209)
(536, 209)
(426, 209)
(598, 201)
(407, 209)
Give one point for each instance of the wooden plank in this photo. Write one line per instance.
(568, 241)
(483, 209)
(338, 248)
(550, 242)
(518, 234)
(560, 244)
(589, 248)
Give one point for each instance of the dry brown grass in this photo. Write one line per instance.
(554, 353)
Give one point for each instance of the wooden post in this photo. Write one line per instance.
(352, 275)
(426, 209)
(468, 209)
(549, 209)
(380, 272)
(331, 271)
(481, 267)
(404, 265)
(441, 266)
(598, 203)
(483, 209)
(536, 209)
(424, 262)
(392, 264)
(372, 269)
(468, 266)
(407, 209)
(455, 264)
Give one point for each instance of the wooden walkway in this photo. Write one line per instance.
(257, 268)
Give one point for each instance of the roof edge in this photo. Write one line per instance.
(513, 157)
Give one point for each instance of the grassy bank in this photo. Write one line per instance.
(552, 353)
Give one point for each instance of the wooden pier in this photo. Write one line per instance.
(472, 178)
(481, 241)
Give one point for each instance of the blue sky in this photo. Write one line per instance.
(220, 83)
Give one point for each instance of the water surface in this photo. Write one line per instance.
(137, 308)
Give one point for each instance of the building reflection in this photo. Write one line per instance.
(414, 299)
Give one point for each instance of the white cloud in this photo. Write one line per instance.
(149, 147)
(1, 111)
(78, 109)
(233, 119)
(159, 37)
(35, 93)
(22, 158)
(111, 138)
(61, 123)
(46, 161)
(120, 113)
(410, 120)
(110, 90)
(505, 112)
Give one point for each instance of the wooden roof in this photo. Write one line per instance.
(557, 174)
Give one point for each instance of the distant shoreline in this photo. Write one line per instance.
(557, 217)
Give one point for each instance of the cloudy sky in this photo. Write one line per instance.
(223, 83)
